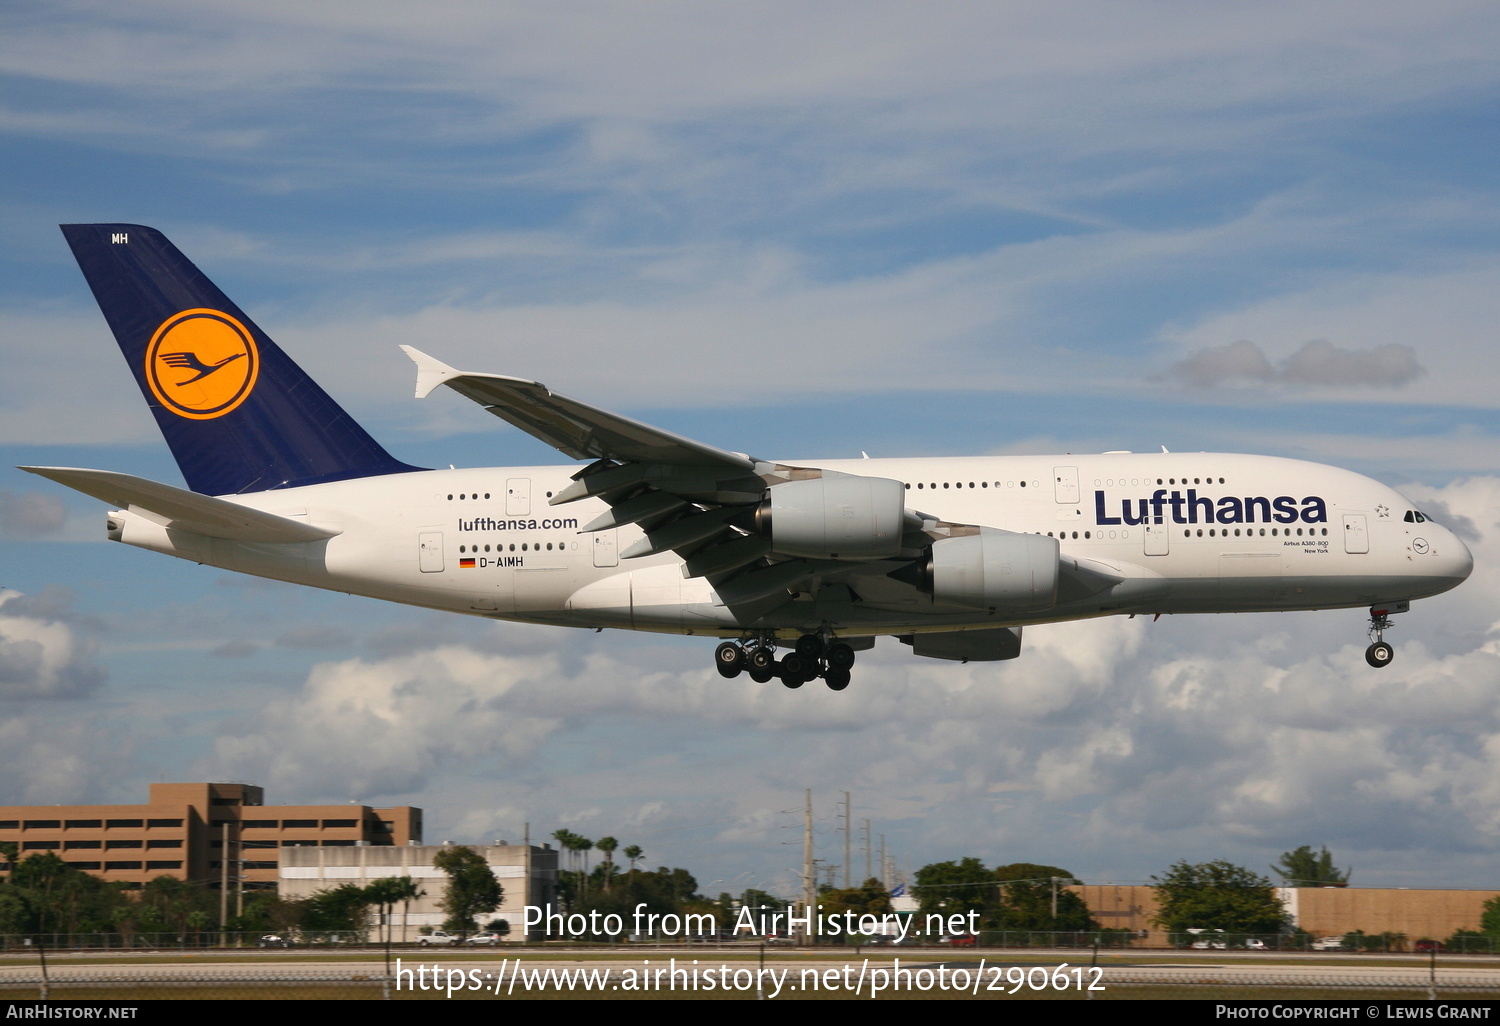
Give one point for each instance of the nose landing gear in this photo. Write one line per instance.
(1380, 654)
(813, 656)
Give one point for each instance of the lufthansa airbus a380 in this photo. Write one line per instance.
(656, 532)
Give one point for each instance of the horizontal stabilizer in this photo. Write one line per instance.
(181, 509)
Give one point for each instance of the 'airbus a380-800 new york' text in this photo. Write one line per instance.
(656, 532)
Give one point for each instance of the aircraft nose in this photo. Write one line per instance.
(1458, 560)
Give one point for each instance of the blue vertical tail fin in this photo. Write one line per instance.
(238, 414)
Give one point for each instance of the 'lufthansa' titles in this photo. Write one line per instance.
(1193, 508)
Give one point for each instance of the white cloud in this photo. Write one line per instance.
(41, 652)
(1318, 363)
(28, 515)
(1393, 323)
(1114, 69)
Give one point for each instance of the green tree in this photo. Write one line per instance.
(384, 894)
(345, 907)
(679, 884)
(1217, 896)
(472, 888)
(269, 913)
(608, 845)
(61, 898)
(954, 887)
(16, 914)
(1470, 940)
(168, 902)
(1030, 893)
(1489, 920)
(758, 900)
(662, 891)
(1306, 868)
(575, 845)
(406, 891)
(869, 898)
(584, 847)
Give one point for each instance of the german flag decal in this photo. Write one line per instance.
(466, 564)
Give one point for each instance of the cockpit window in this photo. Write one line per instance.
(1413, 517)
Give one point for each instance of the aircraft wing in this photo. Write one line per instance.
(689, 498)
(181, 509)
(573, 428)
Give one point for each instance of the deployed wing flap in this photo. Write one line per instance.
(683, 533)
(765, 583)
(181, 509)
(571, 427)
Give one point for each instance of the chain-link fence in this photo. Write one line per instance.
(491, 977)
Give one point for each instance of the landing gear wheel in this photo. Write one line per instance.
(791, 680)
(761, 676)
(794, 666)
(763, 659)
(837, 680)
(730, 659)
(810, 647)
(1379, 653)
(840, 656)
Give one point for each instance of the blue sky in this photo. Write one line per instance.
(801, 231)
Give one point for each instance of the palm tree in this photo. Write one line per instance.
(608, 846)
(633, 853)
(383, 893)
(406, 890)
(565, 842)
(584, 845)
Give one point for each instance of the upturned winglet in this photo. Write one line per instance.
(431, 372)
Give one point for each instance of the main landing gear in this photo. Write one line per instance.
(1380, 653)
(811, 658)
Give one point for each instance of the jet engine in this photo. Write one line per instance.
(998, 570)
(835, 516)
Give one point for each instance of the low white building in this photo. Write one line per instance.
(527, 874)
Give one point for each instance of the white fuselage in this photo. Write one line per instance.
(1190, 532)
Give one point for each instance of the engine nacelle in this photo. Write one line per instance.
(999, 570)
(836, 516)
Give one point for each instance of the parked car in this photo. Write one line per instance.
(1256, 944)
(960, 940)
(1328, 944)
(437, 938)
(274, 940)
(1205, 938)
(484, 938)
(1427, 945)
